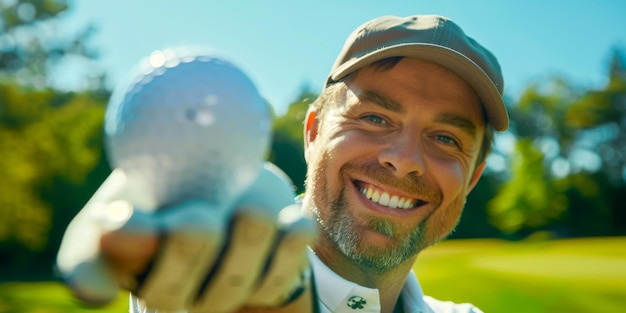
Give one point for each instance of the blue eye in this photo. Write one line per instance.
(375, 119)
(447, 140)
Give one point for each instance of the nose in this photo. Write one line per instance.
(404, 156)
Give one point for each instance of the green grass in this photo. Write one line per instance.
(49, 297)
(575, 275)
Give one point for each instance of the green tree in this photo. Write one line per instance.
(50, 143)
(569, 165)
(31, 47)
(51, 157)
(531, 200)
(287, 149)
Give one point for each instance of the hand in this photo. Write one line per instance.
(200, 258)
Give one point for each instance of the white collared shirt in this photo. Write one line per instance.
(338, 295)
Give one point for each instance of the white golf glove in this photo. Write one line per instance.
(209, 259)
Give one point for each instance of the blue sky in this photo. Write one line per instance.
(283, 45)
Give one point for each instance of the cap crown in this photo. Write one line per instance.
(433, 38)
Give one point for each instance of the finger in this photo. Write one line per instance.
(195, 235)
(252, 237)
(241, 265)
(129, 249)
(79, 260)
(289, 261)
(129, 254)
(269, 193)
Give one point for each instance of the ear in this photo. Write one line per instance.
(310, 130)
(477, 173)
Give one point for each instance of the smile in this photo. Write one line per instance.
(387, 199)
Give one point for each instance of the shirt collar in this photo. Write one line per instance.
(339, 295)
(413, 295)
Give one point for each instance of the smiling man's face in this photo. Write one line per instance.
(390, 164)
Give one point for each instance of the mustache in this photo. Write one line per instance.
(411, 184)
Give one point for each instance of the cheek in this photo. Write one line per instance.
(453, 179)
(326, 157)
(320, 168)
(452, 176)
(445, 219)
(315, 167)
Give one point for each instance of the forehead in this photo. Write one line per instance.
(418, 84)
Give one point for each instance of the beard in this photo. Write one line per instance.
(340, 226)
(343, 230)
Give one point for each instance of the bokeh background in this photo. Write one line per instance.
(544, 230)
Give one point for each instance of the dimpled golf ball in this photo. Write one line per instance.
(187, 124)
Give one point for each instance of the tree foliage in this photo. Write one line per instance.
(50, 143)
(50, 140)
(31, 45)
(569, 162)
(287, 140)
(531, 199)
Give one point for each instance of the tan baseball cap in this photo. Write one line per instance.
(432, 38)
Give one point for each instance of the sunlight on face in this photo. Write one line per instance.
(390, 135)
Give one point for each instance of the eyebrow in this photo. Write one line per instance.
(384, 102)
(458, 121)
(455, 120)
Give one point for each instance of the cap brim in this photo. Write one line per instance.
(448, 58)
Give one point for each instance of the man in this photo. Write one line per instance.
(394, 144)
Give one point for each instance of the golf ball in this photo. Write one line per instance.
(187, 124)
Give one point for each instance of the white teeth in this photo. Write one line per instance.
(375, 196)
(393, 202)
(401, 203)
(386, 199)
(369, 193)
